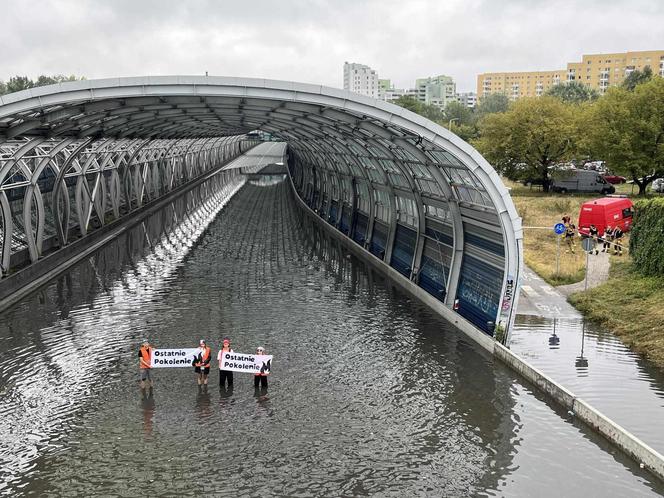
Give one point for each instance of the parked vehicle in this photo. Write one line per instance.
(599, 166)
(580, 180)
(658, 185)
(611, 211)
(614, 179)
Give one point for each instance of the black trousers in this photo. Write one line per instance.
(225, 375)
(260, 380)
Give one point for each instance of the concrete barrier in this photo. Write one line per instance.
(595, 420)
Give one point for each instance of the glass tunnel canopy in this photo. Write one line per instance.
(407, 190)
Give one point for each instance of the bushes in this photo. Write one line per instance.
(646, 242)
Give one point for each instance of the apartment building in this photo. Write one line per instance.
(360, 78)
(519, 84)
(601, 71)
(436, 90)
(469, 99)
(598, 71)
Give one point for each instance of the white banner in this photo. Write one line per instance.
(248, 363)
(169, 358)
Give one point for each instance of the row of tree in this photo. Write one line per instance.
(528, 137)
(18, 83)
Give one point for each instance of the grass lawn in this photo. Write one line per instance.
(631, 306)
(539, 209)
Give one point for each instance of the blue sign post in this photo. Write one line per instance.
(559, 229)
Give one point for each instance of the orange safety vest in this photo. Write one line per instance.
(205, 356)
(146, 354)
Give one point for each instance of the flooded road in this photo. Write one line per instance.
(597, 366)
(370, 393)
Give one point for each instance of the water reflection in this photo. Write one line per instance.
(595, 365)
(370, 394)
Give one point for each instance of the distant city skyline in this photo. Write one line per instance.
(309, 42)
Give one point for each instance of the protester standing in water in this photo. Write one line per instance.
(202, 363)
(225, 375)
(260, 379)
(145, 365)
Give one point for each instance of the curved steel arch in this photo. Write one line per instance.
(408, 190)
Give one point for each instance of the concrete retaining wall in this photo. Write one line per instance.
(614, 433)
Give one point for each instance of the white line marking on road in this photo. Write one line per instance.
(529, 291)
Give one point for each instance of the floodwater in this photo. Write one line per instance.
(597, 366)
(370, 393)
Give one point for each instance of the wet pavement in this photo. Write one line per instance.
(370, 392)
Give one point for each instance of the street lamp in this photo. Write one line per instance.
(449, 125)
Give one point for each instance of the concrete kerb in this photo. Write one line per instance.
(632, 446)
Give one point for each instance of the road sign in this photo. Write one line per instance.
(588, 244)
(559, 228)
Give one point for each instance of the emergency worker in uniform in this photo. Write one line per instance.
(225, 375)
(570, 233)
(145, 365)
(606, 238)
(594, 234)
(202, 363)
(260, 379)
(617, 241)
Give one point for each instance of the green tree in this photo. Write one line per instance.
(18, 83)
(459, 114)
(626, 129)
(573, 92)
(492, 103)
(529, 138)
(637, 77)
(428, 111)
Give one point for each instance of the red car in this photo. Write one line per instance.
(615, 179)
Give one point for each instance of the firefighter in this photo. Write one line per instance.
(617, 241)
(594, 234)
(606, 238)
(570, 233)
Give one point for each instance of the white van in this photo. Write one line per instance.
(579, 180)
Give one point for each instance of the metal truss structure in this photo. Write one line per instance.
(53, 189)
(407, 190)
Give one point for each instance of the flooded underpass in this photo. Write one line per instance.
(370, 392)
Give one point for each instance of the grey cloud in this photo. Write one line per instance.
(309, 40)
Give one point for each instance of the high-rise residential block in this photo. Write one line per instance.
(598, 71)
(436, 90)
(360, 78)
(469, 99)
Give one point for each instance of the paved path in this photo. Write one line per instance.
(541, 299)
(598, 273)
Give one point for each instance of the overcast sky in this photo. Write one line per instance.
(310, 40)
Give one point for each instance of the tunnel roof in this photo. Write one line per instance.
(374, 143)
(314, 119)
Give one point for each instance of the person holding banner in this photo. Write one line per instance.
(225, 375)
(202, 363)
(145, 365)
(260, 378)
